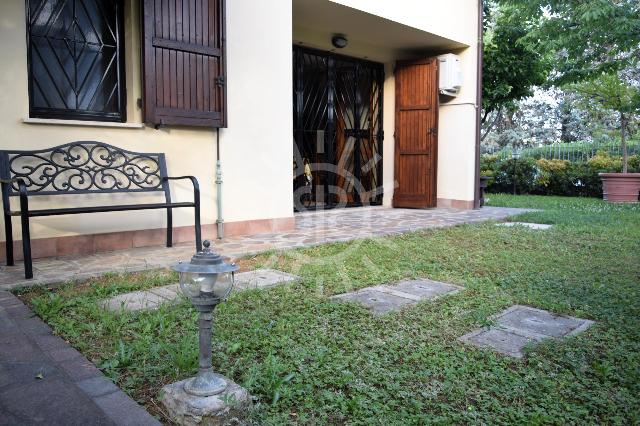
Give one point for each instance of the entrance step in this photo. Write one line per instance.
(383, 299)
(155, 297)
(519, 326)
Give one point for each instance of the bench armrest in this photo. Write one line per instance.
(194, 181)
(22, 186)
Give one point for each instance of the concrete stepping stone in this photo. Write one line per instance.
(143, 300)
(153, 298)
(376, 301)
(382, 299)
(262, 278)
(536, 226)
(519, 326)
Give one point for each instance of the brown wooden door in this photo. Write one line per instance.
(416, 133)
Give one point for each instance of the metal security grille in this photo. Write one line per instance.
(337, 130)
(76, 63)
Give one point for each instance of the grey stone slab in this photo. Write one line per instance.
(170, 292)
(521, 325)
(504, 341)
(97, 386)
(51, 343)
(392, 291)
(426, 289)
(377, 302)
(20, 373)
(64, 354)
(49, 402)
(262, 278)
(134, 301)
(33, 326)
(534, 321)
(45, 381)
(18, 347)
(79, 368)
(536, 226)
(122, 410)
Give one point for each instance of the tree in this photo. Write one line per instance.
(589, 37)
(612, 93)
(511, 68)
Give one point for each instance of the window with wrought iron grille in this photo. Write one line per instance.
(76, 59)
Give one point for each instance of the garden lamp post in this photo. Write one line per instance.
(515, 154)
(206, 281)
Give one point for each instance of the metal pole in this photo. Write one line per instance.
(205, 320)
(219, 220)
(515, 174)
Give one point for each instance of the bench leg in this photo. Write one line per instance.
(198, 229)
(169, 228)
(8, 233)
(26, 247)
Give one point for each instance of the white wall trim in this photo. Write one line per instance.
(30, 120)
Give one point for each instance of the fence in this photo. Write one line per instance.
(574, 151)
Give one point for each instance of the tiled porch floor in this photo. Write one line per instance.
(312, 228)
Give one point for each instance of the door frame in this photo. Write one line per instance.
(331, 128)
(432, 202)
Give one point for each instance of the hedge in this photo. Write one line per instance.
(552, 177)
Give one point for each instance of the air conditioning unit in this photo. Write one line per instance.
(450, 74)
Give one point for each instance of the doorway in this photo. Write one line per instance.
(337, 131)
(416, 134)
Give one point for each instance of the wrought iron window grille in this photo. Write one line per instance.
(76, 59)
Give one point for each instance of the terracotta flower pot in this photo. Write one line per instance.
(620, 187)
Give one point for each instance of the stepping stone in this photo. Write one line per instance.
(143, 300)
(427, 289)
(153, 298)
(506, 342)
(377, 302)
(383, 299)
(536, 226)
(262, 278)
(520, 325)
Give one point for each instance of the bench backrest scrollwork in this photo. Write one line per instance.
(83, 167)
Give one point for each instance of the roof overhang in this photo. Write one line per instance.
(370, 36)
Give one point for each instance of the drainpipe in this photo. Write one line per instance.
(219, 220)
(476, 200)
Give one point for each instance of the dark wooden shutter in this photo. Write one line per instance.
(184, 62)
(416, 134)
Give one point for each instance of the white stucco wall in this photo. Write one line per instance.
(256, 149)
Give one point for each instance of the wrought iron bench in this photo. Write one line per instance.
(84, 168)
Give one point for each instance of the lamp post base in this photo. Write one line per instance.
(206, 383)
(230, 406)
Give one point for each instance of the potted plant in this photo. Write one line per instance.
(614, 94)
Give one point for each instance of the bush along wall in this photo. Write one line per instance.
(552, 177)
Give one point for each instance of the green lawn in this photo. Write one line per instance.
(308, 360)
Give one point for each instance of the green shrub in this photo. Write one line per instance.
(553, 177)
(603, 162)
(524, 170)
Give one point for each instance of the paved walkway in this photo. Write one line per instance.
(311, 229)
(44, 381)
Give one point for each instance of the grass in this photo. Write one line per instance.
(308, 360)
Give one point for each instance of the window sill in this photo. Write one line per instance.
(83, 123)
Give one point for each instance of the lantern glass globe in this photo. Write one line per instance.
(206, 285)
